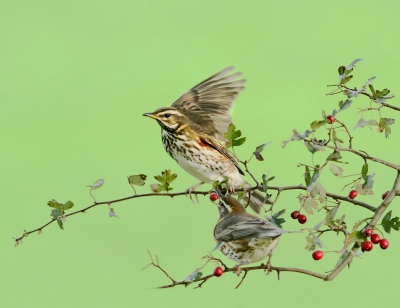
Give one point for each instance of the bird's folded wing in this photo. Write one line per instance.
(208, 104)
(214, 143)
(252, 228)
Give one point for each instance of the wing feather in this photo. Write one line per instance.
(208, 104)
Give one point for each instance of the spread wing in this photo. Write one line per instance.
(208, 104)
(214, 143)
(235, 228)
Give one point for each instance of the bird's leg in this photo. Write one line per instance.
(237, 270)
(268, 265)
(192, 189)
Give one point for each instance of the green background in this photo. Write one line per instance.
(75, 78)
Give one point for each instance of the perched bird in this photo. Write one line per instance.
(191, 130)
(242, 237)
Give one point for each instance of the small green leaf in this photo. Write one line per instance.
(364, 171)
(346, 79)
(389, 223)
(54, 204)
(238, 142)
(341, 70)
(137, 179)
(60, 224)
(317, 124)
(310, 147)
(232, 136)
(335, 138)
(278, 221)
(307, 176)
(384, 125)
(56, 213)
(166, 178)
(385, 92)
(258, 151)
(313, 242)
(67, 205)
(356, 236)
(335, 156)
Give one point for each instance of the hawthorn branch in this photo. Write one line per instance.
(245, 270)
(362, 155)
(362, 93)
(171, 195)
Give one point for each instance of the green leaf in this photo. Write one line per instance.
(356, 236)
(346, 79)
(389, 223)
(335, 138)
(335, 156)
(278, 221)
(166, 178)
(369, 182)
(232, 136)
(264, 182)
(60, 224)
(384, 125)
(57, 205)
(258, 151)
(313, 242)
(54, 204)
(364, 171)
(315, 175)
(56, 213)
(137, 179)
(344, 105)
(67, 205)
(317, 124)
(385, 92)
(310, 147)
(307, 176)
(330, 216)
(238, 142)
(341, 70)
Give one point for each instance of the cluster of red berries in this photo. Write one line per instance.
(375, 238)
(300, 217)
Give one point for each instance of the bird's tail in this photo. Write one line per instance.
(257, 199)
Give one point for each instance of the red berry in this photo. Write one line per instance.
(302, 218)
(317, 255)
(213, 197)
(218, 271)
(385, 195)
(384, 243)
(367, 246)
(375, 238)
(367, 232)
(295, 214)
(353, 193)
(330, 118)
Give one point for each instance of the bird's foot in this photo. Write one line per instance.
(237, 270)
(268, 266)
(192, 190)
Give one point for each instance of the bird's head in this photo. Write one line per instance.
(228, 205)
(169, 118)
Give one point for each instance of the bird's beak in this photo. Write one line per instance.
(150, 115)
(219, 193)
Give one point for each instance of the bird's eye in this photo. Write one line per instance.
(167, 115)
